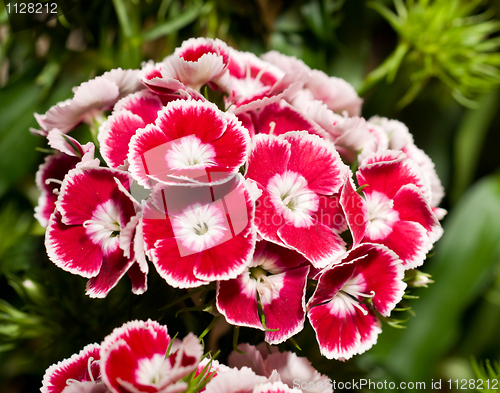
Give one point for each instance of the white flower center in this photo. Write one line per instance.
(249, 87)
(188, 152)
(268, 286)
(150, 371)
(382, 215)
(292, 198)
(346, 300)
(200, 227)
(105, 225)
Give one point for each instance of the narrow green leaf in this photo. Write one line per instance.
(173, 25)
(469, 141)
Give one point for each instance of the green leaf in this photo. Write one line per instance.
(175, 24)
(469, 141)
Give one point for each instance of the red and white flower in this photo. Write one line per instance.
(276, 279)
(400, 138)
(140, 357)
(196, 62)
(344, 325)
(280, 117)
(131, 113)
(80, 370)
(95, 231)
(51, 173)
(397, 199)
(195, 235)
(189, 141)
(296, 173)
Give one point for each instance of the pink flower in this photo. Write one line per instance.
(197, 62)
(95, 231)
(355, 138)
(280, 117)
(344, 325)
(336, 93)
(91, 99)
(51, 173)
(297, 173)
(235, 381)
(256, 83)
(276, 279)
(188, 140)
(401, 139)
(80, 369)
(199, 234)
(131, 113)
(396, 198)
(136, 358)
(266, 361)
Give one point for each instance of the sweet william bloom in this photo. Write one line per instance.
(80, 372)
(265, 360)
(336, 93)
(131, 113)
(397, 199)
(136, 358)
(276, 279)
(189, 140)
(296, 173)
(400, 138)
(195, 235)
(196, 62)
(280, 117)
(96, 231)
(90, 100)
(244, 380)
(344, 325)
(51, 173)
(256, 83)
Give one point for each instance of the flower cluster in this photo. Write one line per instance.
(255, 173)
(140, 356)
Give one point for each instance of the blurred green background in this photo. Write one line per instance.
(432, 64)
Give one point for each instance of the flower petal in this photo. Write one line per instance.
(74, 368)
(318, 243)
(286, 311)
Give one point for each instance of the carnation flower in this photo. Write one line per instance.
(141, 357)
(51, 173)
(95, 231)
(276, 279)
(80, 369)
(295, 171)
(397, 201)
(199, 234)
(90, 100)
(265, 360)
(188, 140)
(344, 325)
(197, 62)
